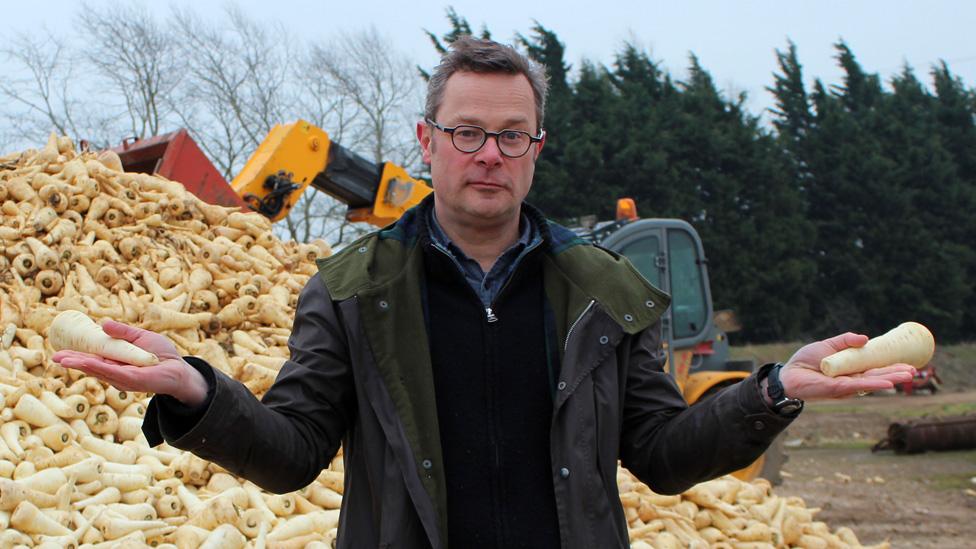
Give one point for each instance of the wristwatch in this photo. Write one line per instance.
(782, 404)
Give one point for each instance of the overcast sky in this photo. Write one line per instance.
(734, 40)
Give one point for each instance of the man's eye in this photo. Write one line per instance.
(513, 136)
(466, 133)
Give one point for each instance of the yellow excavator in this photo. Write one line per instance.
(290, 159)
(668, 252)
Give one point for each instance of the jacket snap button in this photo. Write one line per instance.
(384, 305)
(427, 464)
(564, 472)
(758, 425)
(604, 340)
(362, 249)
(649, 304)
(628, 318)
(561, 385)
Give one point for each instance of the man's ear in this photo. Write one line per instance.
(424, 137)
(539, 145)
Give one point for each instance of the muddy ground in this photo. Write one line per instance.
(921, 500)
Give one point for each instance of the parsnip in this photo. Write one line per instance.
(74, 330)
(320, 521)
(909, 343)
(12, 493)
(103, 497)
(29, 519)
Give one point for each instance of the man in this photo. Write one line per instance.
(476, 410)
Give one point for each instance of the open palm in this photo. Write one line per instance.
(802, 378)
(171, 376)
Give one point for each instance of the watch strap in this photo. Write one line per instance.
(774, 386)
(782, 404)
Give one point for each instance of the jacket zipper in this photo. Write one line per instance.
(577, 321)
(490, 316)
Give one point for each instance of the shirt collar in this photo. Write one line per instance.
(527, 234)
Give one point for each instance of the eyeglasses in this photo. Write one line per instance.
(469, 139)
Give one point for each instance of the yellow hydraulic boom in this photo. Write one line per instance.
(296, 155)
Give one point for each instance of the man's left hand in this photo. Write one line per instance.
(801, 377)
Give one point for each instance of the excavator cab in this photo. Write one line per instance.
(670, 255)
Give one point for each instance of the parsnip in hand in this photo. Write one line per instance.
(73, 330)
(909, 343)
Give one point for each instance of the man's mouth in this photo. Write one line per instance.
(486, 184)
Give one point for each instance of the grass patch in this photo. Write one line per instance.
(843, 444)
(956, 409)
(950, 482)
(818, 408)
(768, 352)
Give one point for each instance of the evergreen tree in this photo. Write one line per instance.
(854, 214)
(459, 27)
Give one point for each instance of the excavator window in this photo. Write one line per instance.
(688, 307)
(643, 253)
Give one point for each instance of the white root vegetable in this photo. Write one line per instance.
(69, 407)
(33, 411)
(47, 481)
(12, 493)
(104, 497)
(29, 519)
(225, 536)
(87, 470)
(109, 450)
(74, 330)
(320, 521)
(909, 343)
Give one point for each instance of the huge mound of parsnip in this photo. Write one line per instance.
(75, 471)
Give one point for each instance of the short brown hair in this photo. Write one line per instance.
(468, 54)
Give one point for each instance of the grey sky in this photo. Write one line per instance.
(735, 41)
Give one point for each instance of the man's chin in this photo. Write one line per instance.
(494, 212)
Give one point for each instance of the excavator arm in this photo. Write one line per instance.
(290, 159)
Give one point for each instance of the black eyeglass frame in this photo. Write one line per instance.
(487, 134)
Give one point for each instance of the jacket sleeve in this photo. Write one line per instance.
(671, 446)
(283, 441)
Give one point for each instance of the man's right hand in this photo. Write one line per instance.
(172, 376)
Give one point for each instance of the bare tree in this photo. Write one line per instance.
(228, 82)
(368, 96)
(382, 86)
(137, 59)
(237, 84)
(40, 93)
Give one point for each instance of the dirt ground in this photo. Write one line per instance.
(920, 500)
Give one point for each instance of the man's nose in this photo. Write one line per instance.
(489, 154)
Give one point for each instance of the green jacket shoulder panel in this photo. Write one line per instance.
(613, 281)
(375, 258)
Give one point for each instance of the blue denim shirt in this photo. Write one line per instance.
(487, 285)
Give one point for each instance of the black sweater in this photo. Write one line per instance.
(492, 381)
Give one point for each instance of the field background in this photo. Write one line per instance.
(921, 500)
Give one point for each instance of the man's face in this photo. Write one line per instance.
(482, 188)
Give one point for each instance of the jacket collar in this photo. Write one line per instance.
(576, 271)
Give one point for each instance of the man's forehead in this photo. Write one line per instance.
(489, 99)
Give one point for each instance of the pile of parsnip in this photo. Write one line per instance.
(75, 471)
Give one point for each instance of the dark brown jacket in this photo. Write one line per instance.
(360, 374)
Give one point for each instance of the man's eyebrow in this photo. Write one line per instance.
(508, 123)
